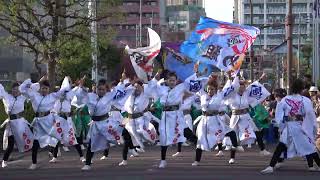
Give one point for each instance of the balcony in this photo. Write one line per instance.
(276, 1)
(132, 20)
(276, 11)
(145, 9)
(299, 10)
(274, 42)
(254, 1)
(255, 21)
(275, 31)
(255, 11)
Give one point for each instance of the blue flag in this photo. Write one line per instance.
(183, 66)
(219, 43)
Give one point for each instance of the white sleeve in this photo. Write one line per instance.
(195, 84)
(230, 88)
(256, 93)
(310, 124)
(27, 91)
(3, 92)
(81, 95)
(280, 112)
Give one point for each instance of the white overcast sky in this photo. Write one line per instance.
(219, 9)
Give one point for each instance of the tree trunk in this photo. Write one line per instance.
(52, 74)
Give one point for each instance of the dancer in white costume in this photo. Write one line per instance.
(194, 84)
(17, 130)
(239, 99)
(64, 128)
(102, 130)
(116, 111)
(211, 128)
(136, 104)
(172, 124)
(297, 121)
(42, 103)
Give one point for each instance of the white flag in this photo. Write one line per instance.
(142, 58)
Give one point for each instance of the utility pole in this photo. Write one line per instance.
(92, 6)
(289, 45)
(299, 42)
(251, 48)
(140, 24)
(278, 75)
(151, 20)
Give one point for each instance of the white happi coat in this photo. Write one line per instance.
(298, 136)
(186, 105)
(118, 102)
(64, 129)
(42, 126)
(254, 94)
(172, 123)
(194, 85)
(140, 129)
(17, 127)
(225, 119)
(210, 129)
(101, 133)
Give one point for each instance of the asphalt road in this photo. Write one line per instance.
(247, 167)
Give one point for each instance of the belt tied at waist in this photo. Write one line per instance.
(186, 111)
(221, 113)
(210, 113)
(135, 115)
(240, 111)
(171, 108)
(64, 115)
(100, 118)
(293, 118)
(42, 114)
(16, 116)
(113, 108)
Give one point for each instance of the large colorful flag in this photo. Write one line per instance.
(183, 66)
(219, 43)
(142, 58)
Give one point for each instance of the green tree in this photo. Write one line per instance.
(306, 54)
(76, 60)
(46, 27)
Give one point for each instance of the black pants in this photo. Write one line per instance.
(9, 148)
(80, 139)
(77, 147)
(106, 152)
(281, 148)
(35, 149)
(156, 126)
(259, 135)
(127, 144)
(276, 133)
(233, 137)
(190, 137)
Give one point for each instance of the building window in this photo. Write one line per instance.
(131, 3)
(133, 15)
(151, 3)
(185, 2)
(150, 15)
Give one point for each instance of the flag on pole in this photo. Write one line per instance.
(183, 66)
(219, 43)
(142, 58)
